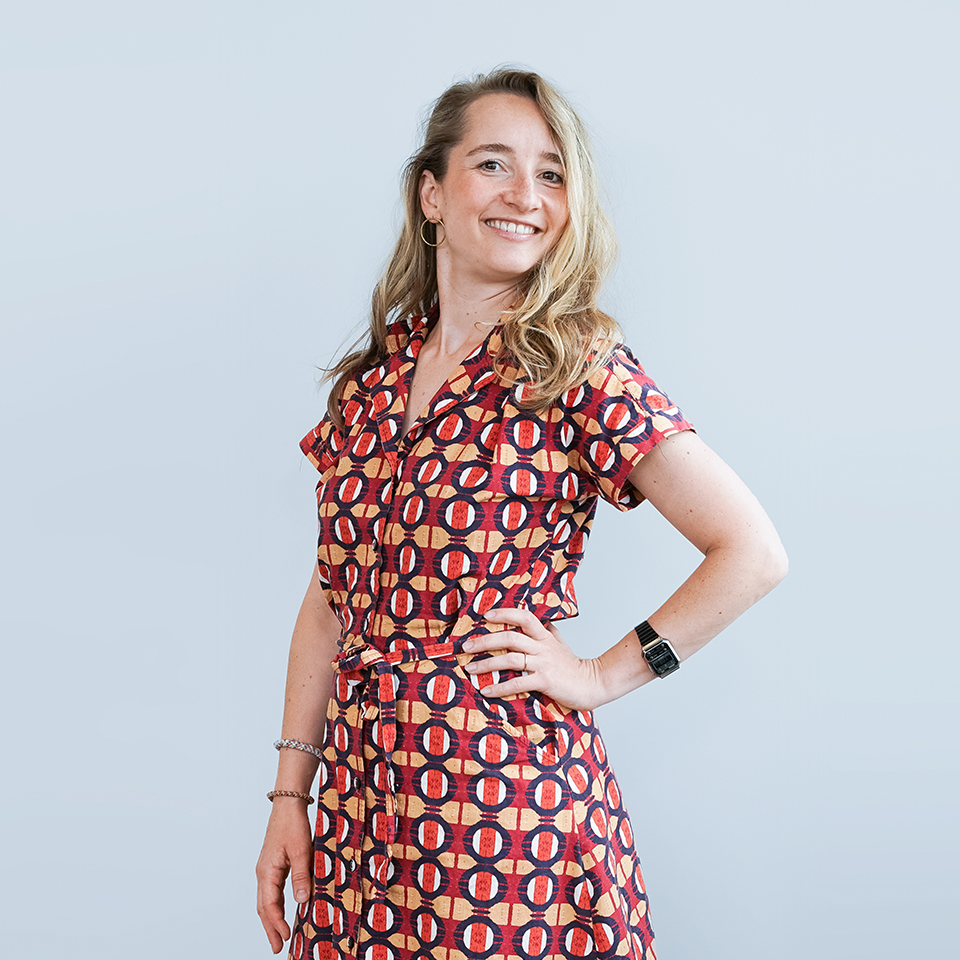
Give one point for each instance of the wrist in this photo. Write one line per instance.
(290, 784)
(288, 810)
(296, 770)
(622, 669)
(281, 794)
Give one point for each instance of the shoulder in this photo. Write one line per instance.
(615, 375)
(613, 359)
(613, 383)
(614, 418)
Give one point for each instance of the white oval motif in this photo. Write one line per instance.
(477, 937)
(485, 892)
(490, 790)
(431, 834)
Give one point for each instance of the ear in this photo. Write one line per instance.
(430, 196)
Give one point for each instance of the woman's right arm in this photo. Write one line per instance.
(288, 846)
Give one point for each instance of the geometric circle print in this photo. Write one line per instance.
(492, 790)
(479, 937)
(430, 876)
(440, 690)
(483, 885)
(493, 747)
(429, 928)
(547, 794)
(434, 785)
(576, 940)
(431, 834)
(438, 740)
(538, 889)
(487, 842)
(544, 844)
(451, 824)
(533, 940)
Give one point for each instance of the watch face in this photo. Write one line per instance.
(661, 658)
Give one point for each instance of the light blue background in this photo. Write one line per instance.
(196, 199)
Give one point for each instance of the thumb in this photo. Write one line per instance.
(301, 878)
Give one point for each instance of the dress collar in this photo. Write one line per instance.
(474, 374)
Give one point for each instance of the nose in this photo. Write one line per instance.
(522, 192)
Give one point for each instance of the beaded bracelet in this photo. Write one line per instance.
(290, 793)
(300, 745)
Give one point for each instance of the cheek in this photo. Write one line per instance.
(559, 212)
(470, 197)
(563, 214)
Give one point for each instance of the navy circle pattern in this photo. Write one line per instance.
(449, 823)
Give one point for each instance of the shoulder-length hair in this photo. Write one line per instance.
(555, 335)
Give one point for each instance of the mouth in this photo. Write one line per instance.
(512, 227)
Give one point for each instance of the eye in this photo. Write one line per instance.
(553, 176)
(490, 166)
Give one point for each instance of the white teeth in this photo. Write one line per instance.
(510, 227)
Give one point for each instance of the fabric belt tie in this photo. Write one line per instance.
(378, 700)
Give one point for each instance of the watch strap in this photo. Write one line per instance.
(646, 634)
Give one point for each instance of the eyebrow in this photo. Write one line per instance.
(503, 148)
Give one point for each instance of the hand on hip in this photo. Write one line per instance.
(546, 661)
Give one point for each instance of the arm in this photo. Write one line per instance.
(288, 845)
(743, 557)
(743, 560)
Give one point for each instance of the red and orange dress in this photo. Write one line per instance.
(452, 826)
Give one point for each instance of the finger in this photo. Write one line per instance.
(277, 931)
(270, 909)
(301, 877)
(270, 881)
(521, 684)
(504, 640)
(523, 619)
(514, 660)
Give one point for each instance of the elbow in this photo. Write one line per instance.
(774, 565)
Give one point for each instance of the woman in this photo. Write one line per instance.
(466, 807)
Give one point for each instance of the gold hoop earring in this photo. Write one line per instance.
(424, 239)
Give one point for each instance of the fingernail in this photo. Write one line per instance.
(301, 896)
(468, 645)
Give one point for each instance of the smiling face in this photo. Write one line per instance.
(503, 201)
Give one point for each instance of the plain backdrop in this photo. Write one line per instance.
(196, 198)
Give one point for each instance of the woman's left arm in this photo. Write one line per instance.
(743, 560)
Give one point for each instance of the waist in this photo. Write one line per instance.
(364, 655)
(360, 657)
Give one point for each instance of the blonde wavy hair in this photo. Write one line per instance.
(555, 335)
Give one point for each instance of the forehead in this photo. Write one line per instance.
(509, 119)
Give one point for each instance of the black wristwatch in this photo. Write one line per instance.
(657, 651)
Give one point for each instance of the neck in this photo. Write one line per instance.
(468, 309)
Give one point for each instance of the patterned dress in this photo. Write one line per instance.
(450, 826)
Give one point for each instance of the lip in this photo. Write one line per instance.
(529, 230)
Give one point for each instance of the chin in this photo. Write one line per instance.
(513, 268)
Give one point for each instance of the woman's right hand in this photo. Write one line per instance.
(287, 849)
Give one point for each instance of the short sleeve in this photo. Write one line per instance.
(322, 445)
(619, 415)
